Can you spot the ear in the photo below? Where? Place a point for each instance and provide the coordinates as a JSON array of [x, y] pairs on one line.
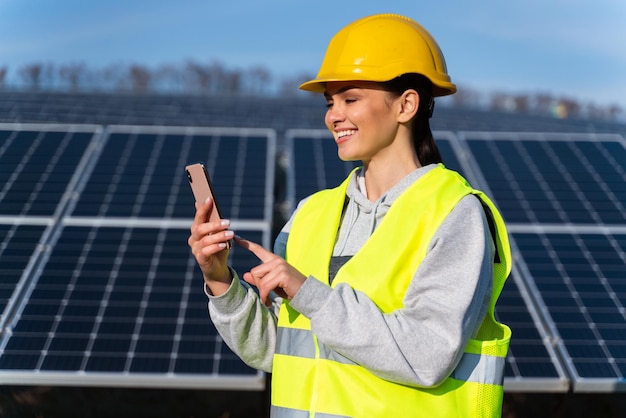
[[409, 103]]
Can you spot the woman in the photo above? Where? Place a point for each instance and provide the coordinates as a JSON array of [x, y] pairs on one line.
[[385, 286]]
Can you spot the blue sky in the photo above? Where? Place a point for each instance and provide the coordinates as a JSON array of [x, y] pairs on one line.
[[572, 48]]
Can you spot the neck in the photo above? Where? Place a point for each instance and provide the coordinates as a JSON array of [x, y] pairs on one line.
[[379, 177]]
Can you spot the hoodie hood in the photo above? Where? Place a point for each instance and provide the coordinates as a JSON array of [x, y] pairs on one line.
[[361, 216]]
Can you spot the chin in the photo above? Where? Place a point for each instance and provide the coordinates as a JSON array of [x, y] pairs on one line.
[[348, 157]]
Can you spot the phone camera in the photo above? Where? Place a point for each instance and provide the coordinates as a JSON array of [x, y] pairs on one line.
[[189, 176]]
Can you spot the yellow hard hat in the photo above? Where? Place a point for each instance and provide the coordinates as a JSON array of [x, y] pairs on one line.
[[380, 48]]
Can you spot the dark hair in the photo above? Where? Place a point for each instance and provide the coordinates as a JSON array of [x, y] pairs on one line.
[[423, 141]]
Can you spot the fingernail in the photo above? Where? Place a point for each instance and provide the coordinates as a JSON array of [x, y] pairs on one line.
[[225, 222], [208, 199], [221, 245], [229, 234]]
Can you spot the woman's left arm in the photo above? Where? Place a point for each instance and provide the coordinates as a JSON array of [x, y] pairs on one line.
[[420, 344]]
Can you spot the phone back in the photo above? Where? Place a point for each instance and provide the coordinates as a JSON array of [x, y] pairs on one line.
[[201, 187]]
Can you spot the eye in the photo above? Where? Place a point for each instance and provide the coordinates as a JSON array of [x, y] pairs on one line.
[[329, 104]]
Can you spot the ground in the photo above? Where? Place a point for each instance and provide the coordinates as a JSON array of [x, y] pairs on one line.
[[77, 402]]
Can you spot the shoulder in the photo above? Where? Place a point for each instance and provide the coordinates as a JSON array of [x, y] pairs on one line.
[[467, 217]]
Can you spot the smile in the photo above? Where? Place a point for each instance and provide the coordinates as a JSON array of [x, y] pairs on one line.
[[341, 134]]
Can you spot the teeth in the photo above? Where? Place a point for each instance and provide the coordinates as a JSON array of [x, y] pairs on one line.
[[344, 133]]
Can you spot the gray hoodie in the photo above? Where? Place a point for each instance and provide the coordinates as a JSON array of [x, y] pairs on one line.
[[418, 345]]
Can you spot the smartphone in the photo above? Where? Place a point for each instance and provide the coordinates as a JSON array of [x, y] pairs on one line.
[[202, 189]]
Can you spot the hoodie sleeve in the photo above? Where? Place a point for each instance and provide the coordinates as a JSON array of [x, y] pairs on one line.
[[245, 324], [420, 344]]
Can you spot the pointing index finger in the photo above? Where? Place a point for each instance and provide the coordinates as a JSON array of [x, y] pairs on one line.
[[261, 253]]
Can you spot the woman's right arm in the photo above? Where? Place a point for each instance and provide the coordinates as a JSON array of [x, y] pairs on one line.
[[243, 321], [246, 325]]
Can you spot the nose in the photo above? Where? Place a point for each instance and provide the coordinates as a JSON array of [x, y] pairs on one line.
[[333, 115]]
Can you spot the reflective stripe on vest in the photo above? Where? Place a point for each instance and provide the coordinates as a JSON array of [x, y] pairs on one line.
[[278, 412], [472, 367], [310, 378]]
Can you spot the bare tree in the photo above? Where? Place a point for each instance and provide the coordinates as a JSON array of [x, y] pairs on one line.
[[521, 103], [170, 78], [31, 75], [465, 97], [3, 75], [113, 77], [140, 78], [614, 112], [73, 75], [257, 80], [232, 82], [288, 86], [219, 75], [49, 77], [499, 102], [200, 78]]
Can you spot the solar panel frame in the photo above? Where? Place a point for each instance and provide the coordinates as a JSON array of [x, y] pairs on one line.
[[64, 222]]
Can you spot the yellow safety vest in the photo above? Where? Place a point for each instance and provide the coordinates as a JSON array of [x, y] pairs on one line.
[[311, 380]]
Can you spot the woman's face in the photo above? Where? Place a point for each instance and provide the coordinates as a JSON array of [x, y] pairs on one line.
[[362, 118]]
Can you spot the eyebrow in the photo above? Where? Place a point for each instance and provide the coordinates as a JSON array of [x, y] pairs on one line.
[[339, 91]]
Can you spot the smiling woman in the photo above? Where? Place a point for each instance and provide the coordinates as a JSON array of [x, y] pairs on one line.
[[379, 297]]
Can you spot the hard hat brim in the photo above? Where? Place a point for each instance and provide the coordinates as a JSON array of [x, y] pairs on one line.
[[318, 85]]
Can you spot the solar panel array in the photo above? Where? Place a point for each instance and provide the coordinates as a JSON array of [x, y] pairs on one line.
[[98, 284], [98, 287], [279, 113]]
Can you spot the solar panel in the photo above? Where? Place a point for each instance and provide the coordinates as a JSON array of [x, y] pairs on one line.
[[564, 197], [554, 178], [581, 278], [122, 306], [115, 297], [37, 163], [532, 364], [139, 171]]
